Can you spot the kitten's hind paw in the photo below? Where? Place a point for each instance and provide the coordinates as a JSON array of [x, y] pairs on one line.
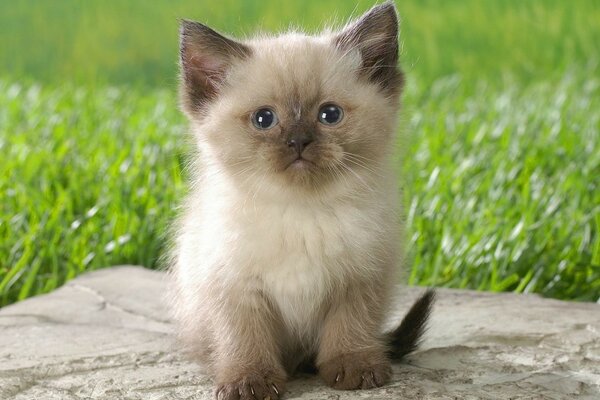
[[250, 388], [361, 370]]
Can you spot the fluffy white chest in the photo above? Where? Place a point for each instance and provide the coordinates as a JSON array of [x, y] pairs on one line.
[[297, 255], [302, 254]]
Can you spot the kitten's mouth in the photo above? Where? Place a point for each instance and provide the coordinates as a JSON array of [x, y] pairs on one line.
[[300, 163]]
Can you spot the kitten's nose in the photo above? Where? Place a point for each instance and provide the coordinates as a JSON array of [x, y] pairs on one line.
[[299, 142]]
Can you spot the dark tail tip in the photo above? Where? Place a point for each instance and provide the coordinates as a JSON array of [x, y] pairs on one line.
[[406, 338]]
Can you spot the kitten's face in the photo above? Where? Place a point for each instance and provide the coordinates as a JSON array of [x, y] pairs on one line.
[[297, 110]]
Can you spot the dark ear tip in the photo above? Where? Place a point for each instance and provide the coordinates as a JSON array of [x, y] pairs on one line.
[[185, 26], [387, 7], [186, 23], [385, 13], [385, 10], [188, 27]]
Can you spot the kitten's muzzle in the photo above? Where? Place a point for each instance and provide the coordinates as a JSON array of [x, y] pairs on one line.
[[299, 141]]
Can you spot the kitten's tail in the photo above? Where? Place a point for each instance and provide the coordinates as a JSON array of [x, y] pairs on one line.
[[406, 338]]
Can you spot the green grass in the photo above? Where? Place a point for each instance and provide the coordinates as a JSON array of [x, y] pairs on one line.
[[501, 143], [89, 178], [135, 41], [503, 189]]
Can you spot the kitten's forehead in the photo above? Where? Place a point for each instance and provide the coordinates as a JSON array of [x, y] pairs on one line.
[[292, 56], [289, 44], [297, 69], [303, 54]]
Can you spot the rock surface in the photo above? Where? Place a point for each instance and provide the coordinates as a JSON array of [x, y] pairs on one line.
[[106, 335]]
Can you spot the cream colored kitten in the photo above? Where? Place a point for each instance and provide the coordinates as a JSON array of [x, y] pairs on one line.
[[289, 245]]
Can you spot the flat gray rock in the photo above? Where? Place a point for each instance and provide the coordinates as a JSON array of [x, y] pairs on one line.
[[106, 335]]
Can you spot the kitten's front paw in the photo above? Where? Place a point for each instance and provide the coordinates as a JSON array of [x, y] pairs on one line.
[[251, 388], [362, 370]]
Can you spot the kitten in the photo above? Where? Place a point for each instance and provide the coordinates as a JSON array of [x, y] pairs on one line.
[[287, 251]]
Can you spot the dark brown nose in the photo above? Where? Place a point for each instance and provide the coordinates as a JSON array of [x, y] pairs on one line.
[[299, 142]]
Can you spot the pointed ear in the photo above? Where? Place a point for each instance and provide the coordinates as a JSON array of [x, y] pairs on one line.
[[205, 57], [375, 36]]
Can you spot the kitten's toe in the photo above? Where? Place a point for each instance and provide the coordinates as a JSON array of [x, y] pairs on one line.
[[250, 388], [376, 377], [364, 370], [227, 392]]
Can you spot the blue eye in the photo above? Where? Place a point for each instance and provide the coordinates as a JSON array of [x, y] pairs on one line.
[[330, 114], [264, 118]]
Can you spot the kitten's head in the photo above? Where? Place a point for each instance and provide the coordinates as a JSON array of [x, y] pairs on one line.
[[293, 110]]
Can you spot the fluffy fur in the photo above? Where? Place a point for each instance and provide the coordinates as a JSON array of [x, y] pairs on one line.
[[278, 262]]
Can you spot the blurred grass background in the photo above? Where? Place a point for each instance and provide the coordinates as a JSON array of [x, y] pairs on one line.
[[500, 146], [135, 41]]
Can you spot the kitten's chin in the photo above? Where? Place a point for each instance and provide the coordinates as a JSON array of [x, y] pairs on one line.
[[300, 164], [302, 172]]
